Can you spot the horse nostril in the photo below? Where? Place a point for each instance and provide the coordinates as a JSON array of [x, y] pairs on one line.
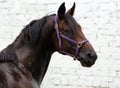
[[89, 55], [92, 56]]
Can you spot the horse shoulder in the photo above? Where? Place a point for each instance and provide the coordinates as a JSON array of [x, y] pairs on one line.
[[3, 79], [3, 83], [12, 77]]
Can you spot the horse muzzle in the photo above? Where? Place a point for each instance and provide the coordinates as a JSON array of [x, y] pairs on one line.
[[88, 59]]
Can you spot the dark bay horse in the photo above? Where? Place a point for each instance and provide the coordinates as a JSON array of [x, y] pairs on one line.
[[23, 63]]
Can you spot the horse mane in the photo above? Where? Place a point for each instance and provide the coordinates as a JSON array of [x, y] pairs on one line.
[[31, 33], [8, 55], [30, 36]]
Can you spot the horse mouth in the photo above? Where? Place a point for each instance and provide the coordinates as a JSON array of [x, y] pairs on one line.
[[87, 62]]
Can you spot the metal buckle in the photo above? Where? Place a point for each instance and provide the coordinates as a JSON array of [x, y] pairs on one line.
[[74, 58], [56, 26], [79, 45]]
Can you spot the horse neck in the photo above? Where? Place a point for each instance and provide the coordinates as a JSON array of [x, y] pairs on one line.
[[40, 65], [35, 60], [37, 63], [41, 61]]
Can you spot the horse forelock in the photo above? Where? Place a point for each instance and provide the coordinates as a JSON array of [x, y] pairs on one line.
[[70, 20]]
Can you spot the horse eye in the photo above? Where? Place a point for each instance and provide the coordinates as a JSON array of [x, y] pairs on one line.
[[67, 32]]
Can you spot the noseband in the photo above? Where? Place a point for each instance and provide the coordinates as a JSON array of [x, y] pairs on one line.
[[60, 35]]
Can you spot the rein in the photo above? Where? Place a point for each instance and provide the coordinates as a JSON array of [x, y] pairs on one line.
[[60, 35]]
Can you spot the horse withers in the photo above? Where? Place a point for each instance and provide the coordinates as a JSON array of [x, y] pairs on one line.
[[24, 63]]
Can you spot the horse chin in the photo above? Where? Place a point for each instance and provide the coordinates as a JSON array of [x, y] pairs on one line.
[[85, 63]]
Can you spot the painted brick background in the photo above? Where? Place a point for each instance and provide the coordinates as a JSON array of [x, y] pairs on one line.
[[100, 21]]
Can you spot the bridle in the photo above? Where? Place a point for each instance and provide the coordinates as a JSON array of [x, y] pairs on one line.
[[60, 35]]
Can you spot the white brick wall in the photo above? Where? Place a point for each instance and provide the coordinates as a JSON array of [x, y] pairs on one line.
[[100, 20]]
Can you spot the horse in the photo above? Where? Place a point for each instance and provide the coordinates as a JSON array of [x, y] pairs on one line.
[[24, 62]]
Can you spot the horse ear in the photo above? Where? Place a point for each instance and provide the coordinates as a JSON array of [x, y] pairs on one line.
[[61, 11], [71, 11]]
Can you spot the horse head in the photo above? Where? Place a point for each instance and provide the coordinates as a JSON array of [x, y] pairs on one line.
[[69, 38]]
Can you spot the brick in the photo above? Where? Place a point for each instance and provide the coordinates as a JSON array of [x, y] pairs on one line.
[[115, 83], [64, 81], [102, 1], [108, 6], [56, 82]]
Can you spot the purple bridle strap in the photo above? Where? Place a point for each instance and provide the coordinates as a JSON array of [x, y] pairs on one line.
[[58, 33], [59, 36]]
